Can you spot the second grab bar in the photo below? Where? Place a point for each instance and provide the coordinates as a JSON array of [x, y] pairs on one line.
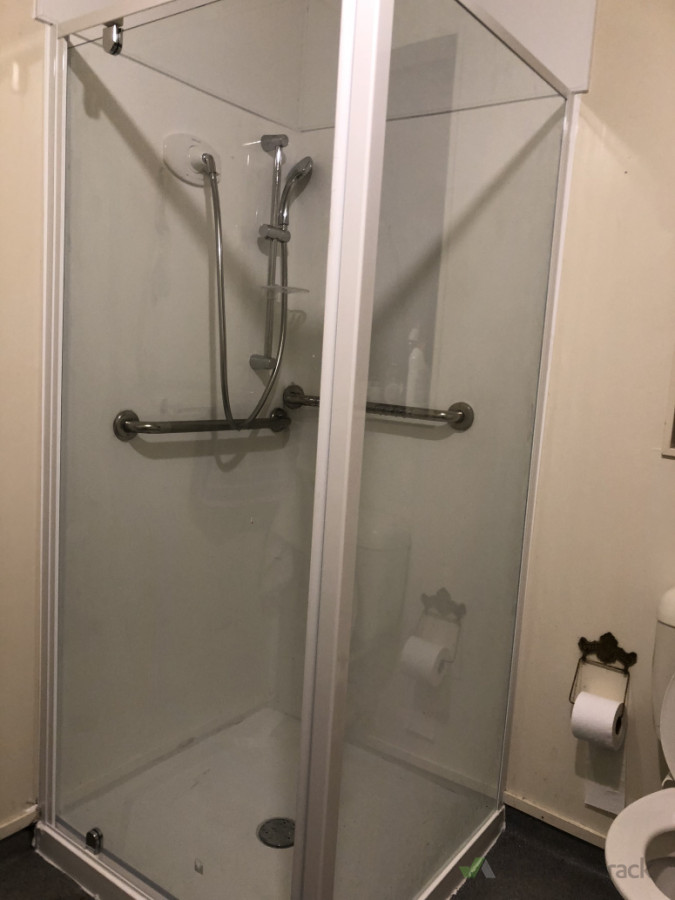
[[459, 416]]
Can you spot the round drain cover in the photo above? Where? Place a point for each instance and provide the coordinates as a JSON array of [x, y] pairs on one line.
[[277, 833]]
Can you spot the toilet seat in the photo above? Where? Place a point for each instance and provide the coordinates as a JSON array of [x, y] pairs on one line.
[[628, 838]]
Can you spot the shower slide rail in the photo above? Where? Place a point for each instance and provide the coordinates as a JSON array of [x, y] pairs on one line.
[[127, 425], [459, 416]]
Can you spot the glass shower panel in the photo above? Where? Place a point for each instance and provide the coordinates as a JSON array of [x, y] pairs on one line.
[[471, 163], [184, 559]]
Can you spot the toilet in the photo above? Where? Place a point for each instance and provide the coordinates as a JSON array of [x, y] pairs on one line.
[[640, 847]]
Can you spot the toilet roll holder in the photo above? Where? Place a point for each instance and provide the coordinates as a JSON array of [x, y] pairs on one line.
[[442, 605], [608, 656]]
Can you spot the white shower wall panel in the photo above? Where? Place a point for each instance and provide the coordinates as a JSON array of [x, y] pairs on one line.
[[249, 52], [442, 59], [319, 63], [290, 532], [487, 70], [174, 584], [558, 34]]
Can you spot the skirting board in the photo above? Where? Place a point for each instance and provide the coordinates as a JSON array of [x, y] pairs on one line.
[[17, 823], [545, 815]]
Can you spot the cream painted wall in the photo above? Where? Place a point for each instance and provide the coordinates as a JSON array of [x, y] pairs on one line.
[[603, 547], [21, 63]]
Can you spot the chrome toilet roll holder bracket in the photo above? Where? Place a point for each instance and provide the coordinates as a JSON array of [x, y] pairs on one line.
[[608, 655]]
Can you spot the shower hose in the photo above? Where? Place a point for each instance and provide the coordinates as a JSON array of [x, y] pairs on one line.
[[210, 170]]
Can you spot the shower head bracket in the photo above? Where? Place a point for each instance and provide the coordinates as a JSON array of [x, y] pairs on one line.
[[270, 142]]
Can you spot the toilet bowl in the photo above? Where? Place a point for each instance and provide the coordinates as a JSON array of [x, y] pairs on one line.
[[640, 847]]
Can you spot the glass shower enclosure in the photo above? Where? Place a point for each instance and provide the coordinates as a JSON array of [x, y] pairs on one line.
[[300, 297]]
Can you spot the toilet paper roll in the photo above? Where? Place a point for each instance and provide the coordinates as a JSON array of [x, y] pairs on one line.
[[425, 660], [599, 720], [439, 631]]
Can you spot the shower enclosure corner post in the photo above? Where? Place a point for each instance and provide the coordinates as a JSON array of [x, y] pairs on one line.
[[53, 186], [572, 112], [365, 47]]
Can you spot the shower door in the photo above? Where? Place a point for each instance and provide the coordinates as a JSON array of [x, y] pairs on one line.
[[314, 624], [184, 558], [413, 669]]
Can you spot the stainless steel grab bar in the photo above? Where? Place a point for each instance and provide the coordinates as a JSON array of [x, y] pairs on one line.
[[459, 416], [127, 425]]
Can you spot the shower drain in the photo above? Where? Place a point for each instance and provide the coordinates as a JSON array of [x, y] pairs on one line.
[[277, 833]]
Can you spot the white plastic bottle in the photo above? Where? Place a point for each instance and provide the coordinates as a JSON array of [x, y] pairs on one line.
[[417, 384], [393, 384]]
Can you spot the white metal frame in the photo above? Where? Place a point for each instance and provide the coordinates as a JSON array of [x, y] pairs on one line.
[[54, 171], [58, 847], [363, 77], [365, 45], [555, 272]]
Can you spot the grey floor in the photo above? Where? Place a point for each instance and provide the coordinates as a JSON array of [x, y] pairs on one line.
[[531, 861], [26, 876]]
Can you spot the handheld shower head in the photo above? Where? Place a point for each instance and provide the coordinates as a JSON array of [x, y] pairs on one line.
[[300, 173]]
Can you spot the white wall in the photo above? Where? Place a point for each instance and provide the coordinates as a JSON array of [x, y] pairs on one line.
[[21, 64], [603, 548]]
